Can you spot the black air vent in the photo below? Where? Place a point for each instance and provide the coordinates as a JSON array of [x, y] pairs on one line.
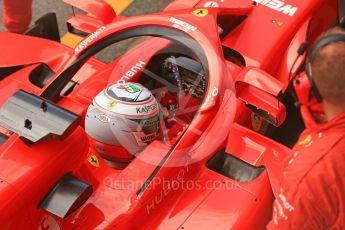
[[69, 194], [41, 75], [228, 23], [233, 56], [7, 71], [233, 167]]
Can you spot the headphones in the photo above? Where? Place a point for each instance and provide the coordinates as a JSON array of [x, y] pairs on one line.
[[304, 84]]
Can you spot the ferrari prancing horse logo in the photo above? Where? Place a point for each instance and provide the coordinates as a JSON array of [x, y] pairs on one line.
[[93, 160], [111, 105], [200, 12], [257, 122]]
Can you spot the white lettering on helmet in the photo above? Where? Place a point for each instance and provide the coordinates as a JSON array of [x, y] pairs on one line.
[[182, 25], [132, 72], [82, 45], [146, 109], [279, 5]]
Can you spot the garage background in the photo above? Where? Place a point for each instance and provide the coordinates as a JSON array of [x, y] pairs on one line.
[[64, 11]]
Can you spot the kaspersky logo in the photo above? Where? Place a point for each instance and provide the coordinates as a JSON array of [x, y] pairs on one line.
[[279, 6], [82, 45], [146, 109]]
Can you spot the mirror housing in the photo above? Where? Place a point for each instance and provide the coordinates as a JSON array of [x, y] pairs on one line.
[[261, 93], [82, 25]]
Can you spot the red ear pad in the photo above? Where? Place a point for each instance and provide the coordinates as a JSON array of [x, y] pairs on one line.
[[303, 91]]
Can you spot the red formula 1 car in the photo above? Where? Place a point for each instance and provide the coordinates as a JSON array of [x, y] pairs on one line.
[[215, 161]]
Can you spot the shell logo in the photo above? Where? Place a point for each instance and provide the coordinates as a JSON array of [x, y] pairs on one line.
[[306, 140]]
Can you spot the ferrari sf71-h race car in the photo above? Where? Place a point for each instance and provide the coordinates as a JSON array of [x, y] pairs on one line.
[[187, 129]]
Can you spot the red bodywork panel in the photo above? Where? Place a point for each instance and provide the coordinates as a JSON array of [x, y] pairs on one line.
[[265, 37]]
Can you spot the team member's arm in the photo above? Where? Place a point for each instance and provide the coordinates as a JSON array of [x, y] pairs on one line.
[[17, 15]]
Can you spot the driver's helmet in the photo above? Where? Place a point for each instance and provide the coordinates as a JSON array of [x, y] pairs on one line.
[[122, 117]]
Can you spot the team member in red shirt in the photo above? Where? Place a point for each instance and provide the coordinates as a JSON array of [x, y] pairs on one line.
[[312, 194], [17, 15]]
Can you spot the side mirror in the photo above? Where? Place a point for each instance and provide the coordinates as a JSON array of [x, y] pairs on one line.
[[261, 93], [82, 25]]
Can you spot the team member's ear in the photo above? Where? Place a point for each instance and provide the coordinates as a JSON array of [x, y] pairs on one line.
[[303, 90], [305, 87]]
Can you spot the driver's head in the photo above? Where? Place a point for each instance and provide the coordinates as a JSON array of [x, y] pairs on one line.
[[123, 117], [328, 67]]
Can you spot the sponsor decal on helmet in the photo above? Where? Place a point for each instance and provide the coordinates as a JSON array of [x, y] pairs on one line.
[[179, 24], [148, 138], [279, 6], [82, 45], [146, 108], [103, 118], [149, 125], [150, 122], [132, 72], [200, 12], [130, 88], [111, 105]]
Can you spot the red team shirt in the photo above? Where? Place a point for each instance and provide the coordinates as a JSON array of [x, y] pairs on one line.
[[312, 193]]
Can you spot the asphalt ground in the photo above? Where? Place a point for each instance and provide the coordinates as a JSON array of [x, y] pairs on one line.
[[64, 11]]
